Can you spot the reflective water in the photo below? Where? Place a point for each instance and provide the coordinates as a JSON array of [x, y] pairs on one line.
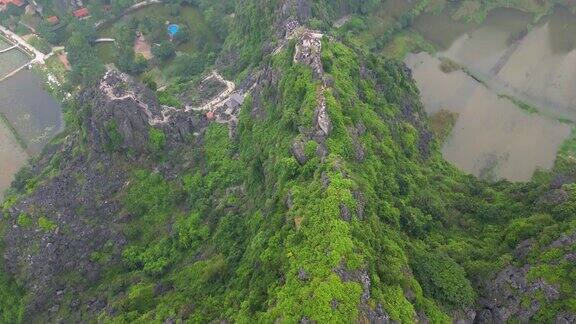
[[35, 115], [12, 157], [29, 118], [492, 137], [11, 60]]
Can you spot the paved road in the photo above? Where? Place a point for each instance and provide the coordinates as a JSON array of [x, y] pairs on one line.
[[134, 7], [39, 57]]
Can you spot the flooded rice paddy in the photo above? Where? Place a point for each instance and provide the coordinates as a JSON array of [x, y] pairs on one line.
[[29, 116], [535, 64], [10, 59], [12, 156]]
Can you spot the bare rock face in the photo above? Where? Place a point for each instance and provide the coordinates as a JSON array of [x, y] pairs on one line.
[[361, 276], [298, 152], [345, 213], [124, 108], [267, 79], [308, 52], [564, 241], [78, 203], [325, 180], [523, 249], [294, 13], [379, 315], [360, 203], [464, 316], [120, 106], [303, 275], [504, 296], [554, 197], [412, 113], [356, 133], [565, 318], [45, 259], [560, 180], [323, 123]]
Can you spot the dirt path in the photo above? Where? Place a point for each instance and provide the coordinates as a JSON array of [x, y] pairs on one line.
[[8, 49], [220, 99], [166, 112], [38, 57]]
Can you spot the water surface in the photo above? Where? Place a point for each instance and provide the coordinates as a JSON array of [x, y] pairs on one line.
[[534, 63], [11, 60], [493, 138], [4, 44], [29, 117], [35, 115]]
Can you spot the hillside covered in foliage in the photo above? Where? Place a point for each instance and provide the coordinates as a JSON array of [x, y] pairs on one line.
[[325, 199]]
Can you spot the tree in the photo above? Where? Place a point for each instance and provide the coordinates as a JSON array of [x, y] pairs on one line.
[[164, 51], [86, 66], [125, 57], [186, 66], [183, 35]]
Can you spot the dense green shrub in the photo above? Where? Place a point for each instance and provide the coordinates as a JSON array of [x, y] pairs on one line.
[[443, 279]]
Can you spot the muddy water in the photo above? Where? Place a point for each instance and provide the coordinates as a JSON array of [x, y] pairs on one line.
[[3, 44], [482, 49], [12, 157], [543, 69], [492, 137], [30, 118], [35, 115], [11, 60], [536, 64]]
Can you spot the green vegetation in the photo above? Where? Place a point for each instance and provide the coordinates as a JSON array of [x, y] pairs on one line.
[[448, 66], [197, 43], [40, 44], [114, 139], [444, 279], [45, 224], [157, 140], [6, 123], [520, 104], [11, 302], [24, 220], [229, 248], [235, 228], [442, 123], [406, 42], [86, 66]]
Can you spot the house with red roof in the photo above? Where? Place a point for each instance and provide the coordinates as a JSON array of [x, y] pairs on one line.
[[81, 13], [53, 20], [17, 3]]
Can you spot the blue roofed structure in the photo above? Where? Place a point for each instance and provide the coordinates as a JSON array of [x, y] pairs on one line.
[[173, 30]]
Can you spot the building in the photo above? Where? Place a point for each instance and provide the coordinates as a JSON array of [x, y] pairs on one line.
[[173, 30], [17, 3], [81, 13], [235, 101], [53, 20]]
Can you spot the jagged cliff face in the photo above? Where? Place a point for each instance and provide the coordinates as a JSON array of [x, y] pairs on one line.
[[55, 262], [78, 200], [322, 198]]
